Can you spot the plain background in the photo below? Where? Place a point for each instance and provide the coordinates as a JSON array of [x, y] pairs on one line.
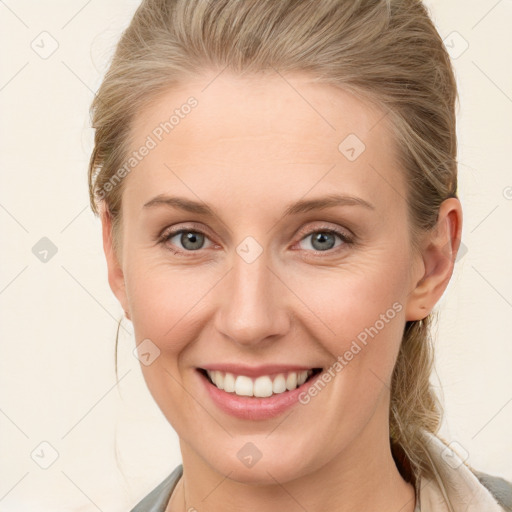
[[111, 444]]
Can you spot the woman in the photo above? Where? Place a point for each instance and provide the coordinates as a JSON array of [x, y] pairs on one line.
[[234, 139]]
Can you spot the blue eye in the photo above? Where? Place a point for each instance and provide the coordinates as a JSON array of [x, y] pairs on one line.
[[193, 240], [325, 240]]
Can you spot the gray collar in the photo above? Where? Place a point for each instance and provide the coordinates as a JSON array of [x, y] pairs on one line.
[[158, 498]]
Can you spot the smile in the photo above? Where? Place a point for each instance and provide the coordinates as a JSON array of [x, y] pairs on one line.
[[262, 386], [255, 392]]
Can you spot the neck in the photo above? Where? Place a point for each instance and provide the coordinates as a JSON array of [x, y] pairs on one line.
[[363, 476]]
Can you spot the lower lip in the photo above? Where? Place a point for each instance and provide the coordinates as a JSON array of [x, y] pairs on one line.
[[253, 408]]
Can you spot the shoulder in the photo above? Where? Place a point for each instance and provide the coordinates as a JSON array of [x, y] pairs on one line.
[[157, 499], [500, 488]]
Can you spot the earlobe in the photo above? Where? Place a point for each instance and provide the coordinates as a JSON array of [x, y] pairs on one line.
[[115, 271], [439, 252]]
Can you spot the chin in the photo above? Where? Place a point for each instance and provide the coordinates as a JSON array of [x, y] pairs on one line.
[[273, 465]]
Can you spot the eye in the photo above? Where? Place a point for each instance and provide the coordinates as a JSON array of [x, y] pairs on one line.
[[324, 239], [190, 240]]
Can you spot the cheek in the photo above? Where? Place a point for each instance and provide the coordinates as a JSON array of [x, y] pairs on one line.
[[166, 304], [359, 321], [348, 299], [358, 317], [164, 299]]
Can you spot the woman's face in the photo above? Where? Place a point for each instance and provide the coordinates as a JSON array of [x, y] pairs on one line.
[[264, 277]]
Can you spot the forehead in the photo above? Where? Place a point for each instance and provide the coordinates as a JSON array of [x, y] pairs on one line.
[[278, 135]]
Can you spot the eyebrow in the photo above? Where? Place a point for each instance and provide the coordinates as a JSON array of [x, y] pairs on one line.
[[301, 206]]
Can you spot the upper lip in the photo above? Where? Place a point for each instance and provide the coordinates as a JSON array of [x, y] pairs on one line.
[[256, 371]]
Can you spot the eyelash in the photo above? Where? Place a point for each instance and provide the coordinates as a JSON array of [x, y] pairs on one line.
[[345, 238]]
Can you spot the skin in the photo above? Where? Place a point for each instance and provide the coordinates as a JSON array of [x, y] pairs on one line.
[[248, 149]]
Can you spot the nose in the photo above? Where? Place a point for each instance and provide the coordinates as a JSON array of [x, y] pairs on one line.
[[253, 305]]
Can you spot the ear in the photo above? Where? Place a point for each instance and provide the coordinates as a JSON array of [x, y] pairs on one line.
[[115, 271], [438, 253]]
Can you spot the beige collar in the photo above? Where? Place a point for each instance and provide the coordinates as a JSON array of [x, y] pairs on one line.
[[462, 489]]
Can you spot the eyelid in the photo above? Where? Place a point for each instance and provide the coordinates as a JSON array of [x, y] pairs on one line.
[[344, 233], [187, 226]]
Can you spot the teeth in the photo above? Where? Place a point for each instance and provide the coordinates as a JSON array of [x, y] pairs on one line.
[[260, 387], [243, 386], [229, 381], [219, 379], [279, 384], [302, 377], [291, 381]]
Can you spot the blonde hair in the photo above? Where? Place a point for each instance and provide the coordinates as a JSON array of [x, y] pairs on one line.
[[387, 52]]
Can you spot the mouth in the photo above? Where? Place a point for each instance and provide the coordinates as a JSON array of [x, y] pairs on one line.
[[263, 386]]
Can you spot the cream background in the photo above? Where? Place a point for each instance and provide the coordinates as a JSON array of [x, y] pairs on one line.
[[58, 319]]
